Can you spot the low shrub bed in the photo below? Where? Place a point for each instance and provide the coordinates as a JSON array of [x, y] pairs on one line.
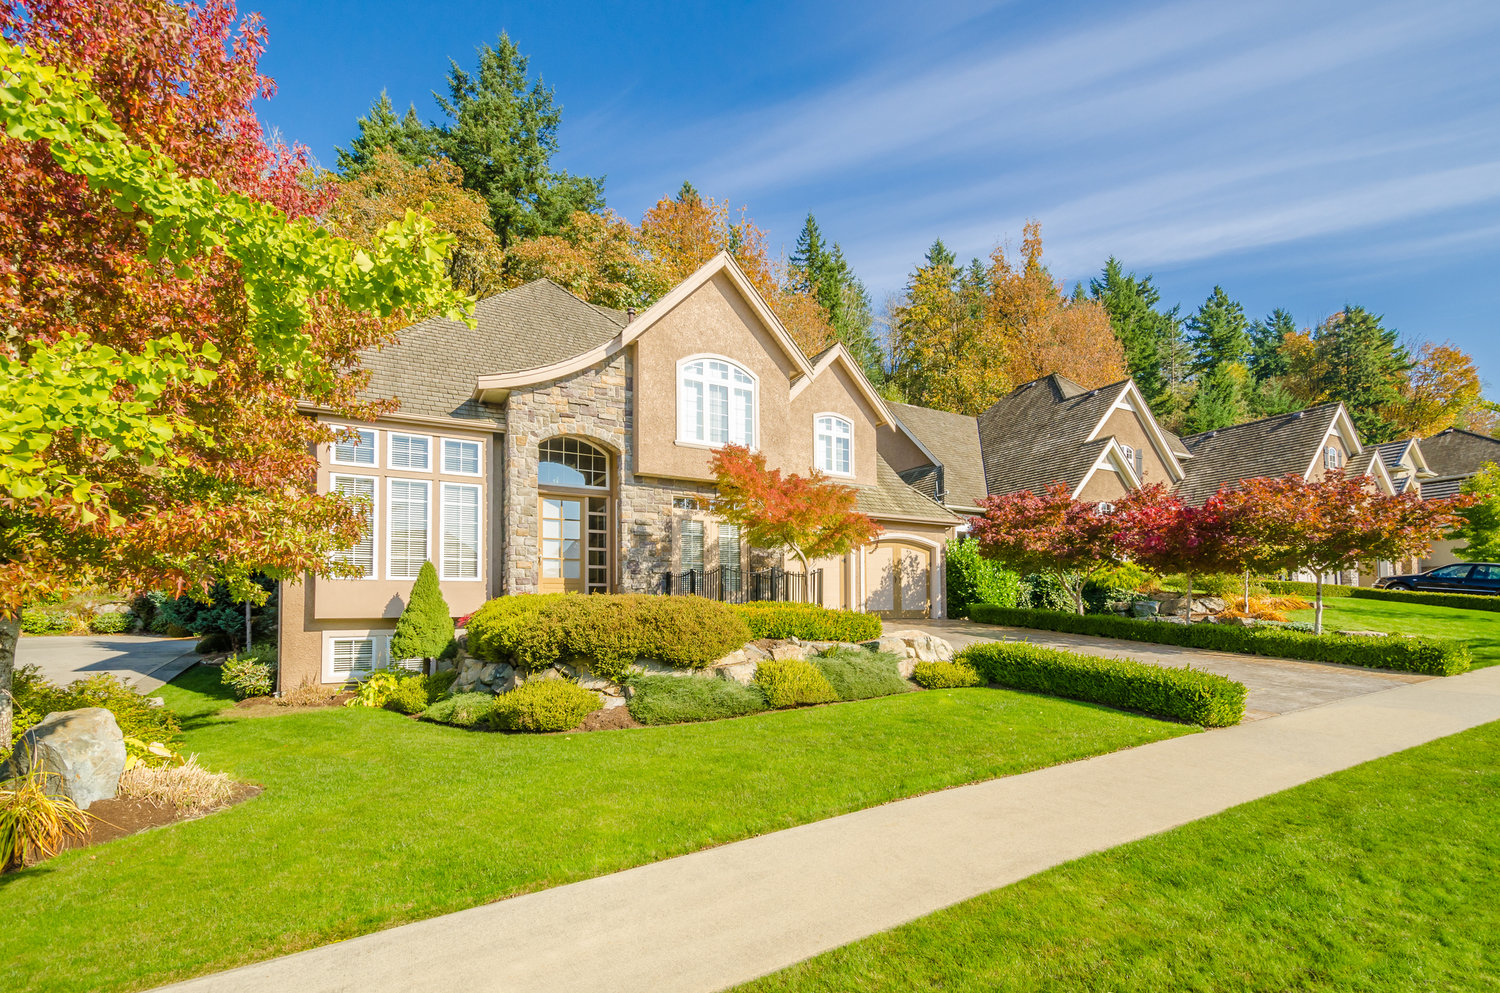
[[606, 632], [461, 710], [944, 675], [682, 700], [860, 675], [251, 673], [543, 705], [808, 622], [402, 691], [792, 682], [35, 698], [1187, 695], [1463, 601], [1428, 656]]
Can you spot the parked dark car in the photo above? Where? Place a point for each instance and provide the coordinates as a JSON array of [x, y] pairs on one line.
[[1460, 577]]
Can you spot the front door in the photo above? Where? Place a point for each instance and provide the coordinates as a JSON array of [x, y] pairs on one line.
[[562, 544]]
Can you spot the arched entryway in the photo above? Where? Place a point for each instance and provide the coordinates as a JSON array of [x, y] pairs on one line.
[[899, 577], [573, 509]]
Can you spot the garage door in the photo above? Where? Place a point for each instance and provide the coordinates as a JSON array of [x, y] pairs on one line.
[[900, 580]]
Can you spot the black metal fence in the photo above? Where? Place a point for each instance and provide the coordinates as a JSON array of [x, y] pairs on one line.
[[740, 586]]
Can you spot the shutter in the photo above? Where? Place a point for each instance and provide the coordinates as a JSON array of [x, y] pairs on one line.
[[362, 553], [352, 656], [692, 546]]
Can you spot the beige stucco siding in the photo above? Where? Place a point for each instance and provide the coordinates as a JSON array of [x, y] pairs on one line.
[[303, 637], [1126, 425], [835, 392], [1104, 484], [899, 450]]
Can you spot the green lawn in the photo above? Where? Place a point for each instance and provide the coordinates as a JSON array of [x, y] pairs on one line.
[[370, 819], [1480, 629], [1381, 878]]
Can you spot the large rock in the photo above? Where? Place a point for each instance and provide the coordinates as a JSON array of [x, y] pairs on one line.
[[912, 647], [83, 749], [479, 676], [784, 650], [1145, 608]]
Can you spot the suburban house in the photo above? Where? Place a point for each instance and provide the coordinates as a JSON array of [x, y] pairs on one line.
[[562, 446], [1406, 464], [1450, 458]]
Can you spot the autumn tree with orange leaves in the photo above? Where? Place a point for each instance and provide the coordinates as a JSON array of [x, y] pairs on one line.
[[810, 516]]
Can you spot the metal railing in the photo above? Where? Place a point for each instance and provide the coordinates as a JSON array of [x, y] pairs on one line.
[[741, 586]]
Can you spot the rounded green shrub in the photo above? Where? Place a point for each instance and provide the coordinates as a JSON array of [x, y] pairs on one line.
[[543, 705], [860, 675], [606, 633], [425, 628], [678, 699], [971, 578], [461, 710], [111, 623], [409, 696], [251, 673], [792, 682], [944, 675], [808, 622]]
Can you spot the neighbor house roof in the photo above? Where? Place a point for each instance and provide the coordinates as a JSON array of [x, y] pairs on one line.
[[1442, 487], [1273, 446], [891, 497], [1038, 434], [431, 367], [953, 439], [1456, 452]]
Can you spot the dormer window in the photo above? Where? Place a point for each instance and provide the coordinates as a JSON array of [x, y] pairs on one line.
[[834, 445], [716, 403], [1332, 458]]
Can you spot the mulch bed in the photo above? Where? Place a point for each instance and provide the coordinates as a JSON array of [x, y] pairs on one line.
[[263, 706], [613, 719], [117, 818]]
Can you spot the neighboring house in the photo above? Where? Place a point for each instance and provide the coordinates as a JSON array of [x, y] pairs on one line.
[[1452, 456], [1099, 443], [562, 446], [1406, 464]]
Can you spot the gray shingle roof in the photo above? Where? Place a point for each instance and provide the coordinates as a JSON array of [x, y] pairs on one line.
[[432, 366], [1175, 444], [1270, 447], [1037, 434], [953, 439], [891, 497], [1443, 486], [1392, 452], [1456, 452]]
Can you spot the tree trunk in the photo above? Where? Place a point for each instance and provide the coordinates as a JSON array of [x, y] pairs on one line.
[[10, 633], [1318, 610], [247, 625], [1247, 591], [1187, 607]]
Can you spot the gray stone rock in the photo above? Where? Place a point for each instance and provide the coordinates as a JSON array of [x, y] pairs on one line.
[[1208, 605], [755, 653], [1145, 608], [611, 702], [83, 749], [784, 650], [1363, 634], [651, 667], [741, 672]]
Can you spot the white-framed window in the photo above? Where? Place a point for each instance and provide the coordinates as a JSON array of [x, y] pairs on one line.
[[1332, 458], [410, 451], [407, 528], [353, 655], [833, 445], [460, 542], [729, 558], [716, 402], [361, 449], [461, 458], [361, 554]]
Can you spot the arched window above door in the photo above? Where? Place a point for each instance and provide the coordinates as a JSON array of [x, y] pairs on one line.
[[572, 462]]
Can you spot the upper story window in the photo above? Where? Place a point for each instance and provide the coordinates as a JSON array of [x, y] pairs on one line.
[[1332, 458], [411, 451], [834, 445], [460, 458], [571, 462], [716, 403], [359, 449], [361, 555]]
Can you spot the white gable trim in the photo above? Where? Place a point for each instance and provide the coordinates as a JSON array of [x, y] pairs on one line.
[[838, 353], [720, 263], [1378, 469], [1111, 454], [1133, 400], [1344, 426]]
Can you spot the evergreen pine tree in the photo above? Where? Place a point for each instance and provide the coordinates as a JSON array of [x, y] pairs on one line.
[[1266, 339], [1218, 333], [1218, 402], [1144, 332], [825, 274], [425, 629], [938, 255], [502, 132], [810, 260], [412, 141], [1362, 363]]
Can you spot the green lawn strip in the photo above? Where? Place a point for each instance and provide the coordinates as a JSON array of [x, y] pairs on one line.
[[1478, 629], [1380, 878], [196, 695], [369, 819]]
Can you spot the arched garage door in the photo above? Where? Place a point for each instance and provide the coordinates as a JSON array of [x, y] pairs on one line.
[[899, 579]]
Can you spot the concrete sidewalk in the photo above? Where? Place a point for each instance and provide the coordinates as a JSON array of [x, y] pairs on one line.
[[709, 920]]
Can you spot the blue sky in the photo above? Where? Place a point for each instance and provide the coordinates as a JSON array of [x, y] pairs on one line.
[[1302, 154]]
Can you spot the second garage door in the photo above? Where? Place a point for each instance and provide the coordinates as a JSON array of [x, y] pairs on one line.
[[899, 577]]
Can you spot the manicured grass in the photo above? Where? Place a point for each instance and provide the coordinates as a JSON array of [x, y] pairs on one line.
[[370, 819], [1380, 878], [1479, 629]]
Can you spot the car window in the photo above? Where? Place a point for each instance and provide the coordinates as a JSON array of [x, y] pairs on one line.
[[1486, 574], [1451, 572]]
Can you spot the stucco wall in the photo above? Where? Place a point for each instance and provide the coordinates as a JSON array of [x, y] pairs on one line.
[[832, 392], [1103, 485], [1127, 427]]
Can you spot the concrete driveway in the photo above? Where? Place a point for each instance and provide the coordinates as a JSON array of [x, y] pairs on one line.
[[1276, 686], [147, 661]]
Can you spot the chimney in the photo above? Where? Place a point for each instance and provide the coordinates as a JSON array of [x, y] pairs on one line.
[[629, 314]]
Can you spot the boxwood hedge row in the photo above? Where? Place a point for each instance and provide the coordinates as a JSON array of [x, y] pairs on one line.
[[1188, 695], [808, 621], [1429, 656]]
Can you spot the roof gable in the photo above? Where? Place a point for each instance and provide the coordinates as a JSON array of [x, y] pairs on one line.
[[1042, 432], [1286, 444]]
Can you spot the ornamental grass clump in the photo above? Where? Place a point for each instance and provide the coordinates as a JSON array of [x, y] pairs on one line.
[[860, 675], [36, 819], [680, 700], [944, 675], [543, 705], [187, 788], [792, 683]]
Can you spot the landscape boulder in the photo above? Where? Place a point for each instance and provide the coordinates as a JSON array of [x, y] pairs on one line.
[[912, 647], [84, 749]]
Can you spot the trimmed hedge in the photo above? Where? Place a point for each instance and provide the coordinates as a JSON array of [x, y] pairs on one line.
[[860, 675], [1462, 601], [680, 700], [944, 675], [792, 682], [606, 632], [543, 705], [808, 622], [1177, 694], [1429, 656]]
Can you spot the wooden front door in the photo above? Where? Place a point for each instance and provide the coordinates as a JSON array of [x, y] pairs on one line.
[[901, 580], [562, 544]]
